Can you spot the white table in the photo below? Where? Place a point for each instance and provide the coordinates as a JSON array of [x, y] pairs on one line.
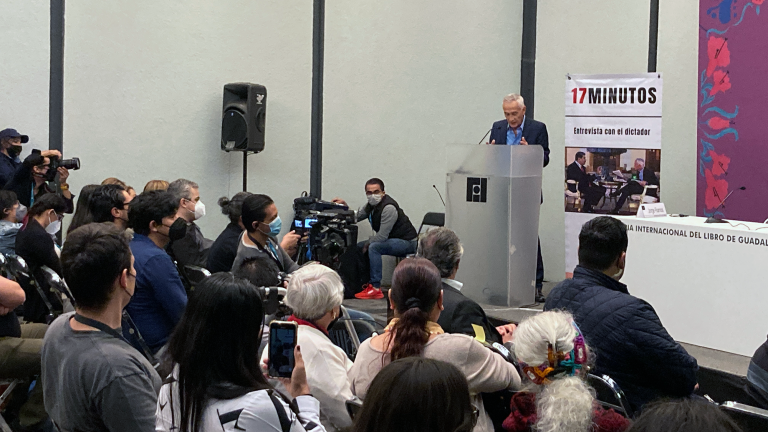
[[707, 282]]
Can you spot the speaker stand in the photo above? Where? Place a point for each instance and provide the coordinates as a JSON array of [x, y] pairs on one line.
[[245, 171]]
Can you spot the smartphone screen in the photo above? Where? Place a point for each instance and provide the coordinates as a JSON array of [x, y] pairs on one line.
[[282, 341]]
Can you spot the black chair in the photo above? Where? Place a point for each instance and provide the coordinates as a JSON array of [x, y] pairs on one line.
[[354, 406], [432, 219], [344, 333], [194, 275], [609, 394], [749, 418], [722, 386], [58, 284]]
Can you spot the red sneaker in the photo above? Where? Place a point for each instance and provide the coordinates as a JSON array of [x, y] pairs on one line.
[[370, 292]]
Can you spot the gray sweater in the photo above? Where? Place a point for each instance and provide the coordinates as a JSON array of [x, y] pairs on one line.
[[245, 251], [388, 219]]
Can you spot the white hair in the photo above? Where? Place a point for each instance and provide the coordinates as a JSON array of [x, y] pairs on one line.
[[514, 97], [565, 405], [534, 334], [641, 161], [313, 290]]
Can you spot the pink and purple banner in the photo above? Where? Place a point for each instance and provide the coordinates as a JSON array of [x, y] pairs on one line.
[[732, 121]]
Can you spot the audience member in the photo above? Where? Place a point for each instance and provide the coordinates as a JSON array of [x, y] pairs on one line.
[[417, 394], [92, 378], [460, 314], [217, 383], [35, 244], [683, 415], [160, 297], [757, 373], [262, 271], [262, 225], [554, 358], [109, 203], [10, 148], [193, 248], [631, 344], [29, 181], [10, 224], [315, 293], [20, 346], [82, 214], [153, 185], [417, 301], [113, 180], [224, 250]]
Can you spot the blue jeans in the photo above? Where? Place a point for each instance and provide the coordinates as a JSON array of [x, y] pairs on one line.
[[393, 247]]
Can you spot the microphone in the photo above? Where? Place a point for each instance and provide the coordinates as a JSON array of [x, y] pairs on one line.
[[438, 194], [713, 219], [483, 138]]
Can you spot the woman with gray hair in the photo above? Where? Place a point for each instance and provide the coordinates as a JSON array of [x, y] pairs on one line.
[[554, 358], [315, 293]]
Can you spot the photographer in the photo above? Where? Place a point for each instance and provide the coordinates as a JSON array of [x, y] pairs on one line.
[[395, 234], [29, 182]]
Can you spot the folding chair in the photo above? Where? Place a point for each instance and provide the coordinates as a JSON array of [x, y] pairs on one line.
[[354, 406], [609, 394], [195, 275], [749, 418], [432, 219]]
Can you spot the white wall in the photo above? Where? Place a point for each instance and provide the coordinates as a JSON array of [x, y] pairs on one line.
[[24, 73], [405, 78], [143, 93], [588, 36]]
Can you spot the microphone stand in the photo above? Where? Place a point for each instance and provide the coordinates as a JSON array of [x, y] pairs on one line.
[[713, 219]]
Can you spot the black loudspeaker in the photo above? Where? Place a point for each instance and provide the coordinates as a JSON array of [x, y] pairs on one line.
[[243, 117]]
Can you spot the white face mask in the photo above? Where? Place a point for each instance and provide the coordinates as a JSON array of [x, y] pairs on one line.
[[53, 227], [375, 199], [618, 275], [199, 210], [21, 212]]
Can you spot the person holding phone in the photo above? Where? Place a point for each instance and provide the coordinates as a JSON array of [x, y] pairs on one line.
[[217, 382]]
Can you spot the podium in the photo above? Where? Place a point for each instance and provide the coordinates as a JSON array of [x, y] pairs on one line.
[[493, 200]]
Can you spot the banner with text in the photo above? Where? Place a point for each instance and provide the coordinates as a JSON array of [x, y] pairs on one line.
[[612, 149]]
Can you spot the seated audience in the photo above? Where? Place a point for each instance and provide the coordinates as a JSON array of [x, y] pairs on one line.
[[82, 214], [262, 225], [152, 185], [92, 379], [10, 148], [591, 192], [31, 176], [417, 301], [193, 248], [315, 293], [262, 271], [417, 394], [10, 224], [224, 250], [109, 203], [683, 415], [554, 358], [35, 244], [20, 346], [160, 297], [757, 373], [113, 180], [631, 344], [217, 381], [460, 314]]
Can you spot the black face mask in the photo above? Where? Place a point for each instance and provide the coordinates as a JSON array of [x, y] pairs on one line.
[[14, 151], [177, 230]]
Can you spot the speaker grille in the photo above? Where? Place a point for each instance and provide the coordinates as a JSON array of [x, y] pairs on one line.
[[234, 131]]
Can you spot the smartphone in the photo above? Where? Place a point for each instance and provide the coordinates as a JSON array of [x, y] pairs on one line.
[[282, 341]]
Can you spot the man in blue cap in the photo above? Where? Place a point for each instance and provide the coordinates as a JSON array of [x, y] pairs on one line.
[[10, 148]]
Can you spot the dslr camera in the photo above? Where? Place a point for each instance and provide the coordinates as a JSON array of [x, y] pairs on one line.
[[330, 229], [70, 164]]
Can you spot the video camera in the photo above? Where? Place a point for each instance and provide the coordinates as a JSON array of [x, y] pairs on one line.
[[330, 229], [70, 164]]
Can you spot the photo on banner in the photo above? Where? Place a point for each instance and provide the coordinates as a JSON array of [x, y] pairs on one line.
[[612, 149]]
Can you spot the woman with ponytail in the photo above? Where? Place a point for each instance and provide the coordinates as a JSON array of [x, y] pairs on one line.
[[417, 299], [554, 358]]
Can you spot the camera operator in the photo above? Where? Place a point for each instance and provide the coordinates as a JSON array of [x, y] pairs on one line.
[[395, 234], [262, 225], [10, 147], [29, 182]]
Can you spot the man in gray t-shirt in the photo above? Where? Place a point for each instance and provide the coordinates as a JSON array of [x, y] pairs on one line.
[[93, 380]]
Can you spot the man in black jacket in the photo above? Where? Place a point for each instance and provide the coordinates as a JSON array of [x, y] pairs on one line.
[[631, 344], [460, 314], [592, 193], [641, 176], [395, 234]]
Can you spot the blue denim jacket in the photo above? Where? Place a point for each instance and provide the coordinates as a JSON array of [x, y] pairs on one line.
[[8, 231]]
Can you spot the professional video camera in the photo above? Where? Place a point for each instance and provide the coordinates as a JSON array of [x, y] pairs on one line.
[[330, 229], [70, 164]]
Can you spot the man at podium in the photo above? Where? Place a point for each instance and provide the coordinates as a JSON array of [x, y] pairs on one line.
[[516, 129]]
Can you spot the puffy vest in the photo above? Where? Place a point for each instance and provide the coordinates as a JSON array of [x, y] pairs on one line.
[[403, 228]]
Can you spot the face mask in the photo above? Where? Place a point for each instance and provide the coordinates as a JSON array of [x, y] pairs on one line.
[[199, 210], [21, 212], [53, 227], [14, 151], [375, 199], [275, 226], [177, 230], [618, 275]]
